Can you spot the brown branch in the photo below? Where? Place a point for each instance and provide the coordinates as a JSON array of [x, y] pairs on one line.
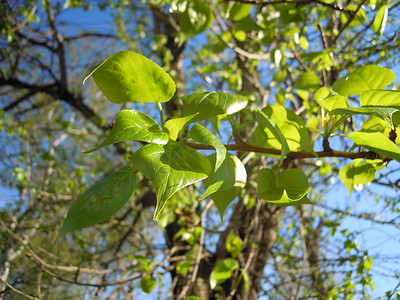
[[291, 155]]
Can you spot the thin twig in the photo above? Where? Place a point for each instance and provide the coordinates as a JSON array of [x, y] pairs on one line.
[[17, 291]]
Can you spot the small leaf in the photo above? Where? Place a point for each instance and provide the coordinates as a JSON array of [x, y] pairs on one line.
[[148, 283], [175, 126], [354, 174], [333, 102], [197, 18], [376, 142], [368, 77], [246, 278], [101, 201], [358, 19], [211, 104], [129, 76], [379, 24], [237, 11], [234, 245], [222, 271], [170, 168], [307, 81], [132, 125]]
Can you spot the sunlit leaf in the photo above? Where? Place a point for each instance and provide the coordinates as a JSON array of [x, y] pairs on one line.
[[132, 125], [129, 76], [234, 245], [101, 201], [210, 104], [365, 78], [358, 19], [333, 102], [291, 126], [384, 98], [174, 126], [237, 11], [222, 271], [357, 173], [376, 142], [197, 18], [170, 168], [307, 81], [379, 24]]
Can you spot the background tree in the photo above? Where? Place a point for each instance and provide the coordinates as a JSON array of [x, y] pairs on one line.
[[272, 52]]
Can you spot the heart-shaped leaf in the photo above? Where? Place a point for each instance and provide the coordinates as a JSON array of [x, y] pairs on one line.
[[129, 76], [101, 201], [132, 125], [368, 77], [211, 104], [170, 168]]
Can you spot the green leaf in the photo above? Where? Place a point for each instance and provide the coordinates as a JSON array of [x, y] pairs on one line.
[[211, 104], [148, 283], [234, 245], [368, 77], [197, 18], [183, 266], [222, 271], [295, 183], [170, 168], [132, 125], [384, 112], [246, 278], [380, 98], [229, 175], [269, 126], [291, 126], [359, 18], [376, 142], [101, 201], [129, 76], [357, 173], [288, 188], [307, 81], [333, 102], [270, 186], [237, 11], [175, 126], [379, 24], [231, 171]]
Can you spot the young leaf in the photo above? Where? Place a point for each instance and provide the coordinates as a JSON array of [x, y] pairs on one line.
[[237, 11], [234, 245], [101, 201], [295, 183], [356, 173], [291, 126], [210, 104], [222, 271], [307, 81], [368, 77], [379, 24], [148, 283], [270, 186], [197, 18], [175, 126], [333, 102], [226, 183], [170, 168], [129, 76], [268, 126], [132, 125], [376, 142]]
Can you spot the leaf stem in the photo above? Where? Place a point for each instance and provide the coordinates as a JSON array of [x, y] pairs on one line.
[[160, 109]]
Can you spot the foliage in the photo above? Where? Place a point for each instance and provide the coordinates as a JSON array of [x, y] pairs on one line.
[[274, 110]]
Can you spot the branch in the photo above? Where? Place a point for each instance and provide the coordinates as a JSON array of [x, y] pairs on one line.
[[291, 155]]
